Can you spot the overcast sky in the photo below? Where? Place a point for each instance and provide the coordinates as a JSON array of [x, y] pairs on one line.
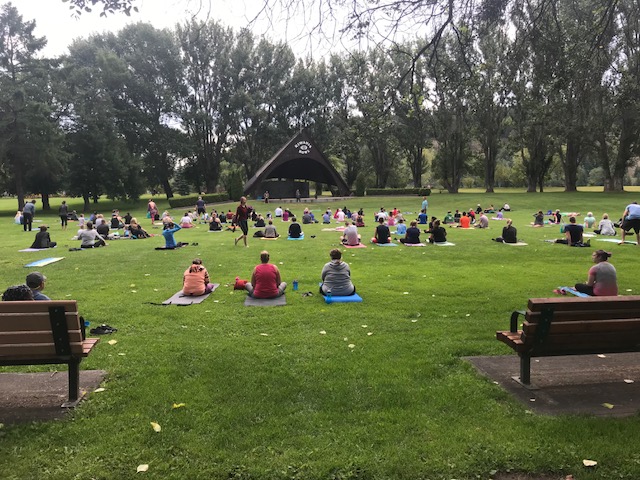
[[55, 21]]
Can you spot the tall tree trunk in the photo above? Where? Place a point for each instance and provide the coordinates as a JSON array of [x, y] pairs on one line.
[[490, 154], [168, 191], [570, 163], [86, 198]]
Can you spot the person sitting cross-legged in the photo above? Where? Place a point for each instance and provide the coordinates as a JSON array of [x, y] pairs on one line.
[[265, 280], [573, 235], [412, 235], [295, 230], [195, 280], [382, 234], [90, 238], [336, 276], [350, 235], [509, 233]]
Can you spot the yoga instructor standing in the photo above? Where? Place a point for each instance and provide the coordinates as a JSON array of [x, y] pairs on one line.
[[242, 219]]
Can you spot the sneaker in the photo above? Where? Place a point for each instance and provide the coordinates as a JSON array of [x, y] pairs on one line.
[[588, 243], [103, 330]]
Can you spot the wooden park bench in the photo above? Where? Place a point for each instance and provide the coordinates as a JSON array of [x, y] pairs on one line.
[[573, 326], [44, 333]]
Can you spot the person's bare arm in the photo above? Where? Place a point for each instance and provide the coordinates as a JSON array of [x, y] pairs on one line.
[[591, 280]]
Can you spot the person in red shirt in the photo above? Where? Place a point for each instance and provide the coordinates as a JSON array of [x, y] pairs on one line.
[[265, 279], [465, 221], [242, 220], [195, 280]]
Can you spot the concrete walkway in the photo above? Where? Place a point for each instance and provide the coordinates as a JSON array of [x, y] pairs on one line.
[[601, 385]]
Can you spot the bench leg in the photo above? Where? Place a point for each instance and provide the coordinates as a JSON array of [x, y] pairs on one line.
[[74, 383], [525, 369]]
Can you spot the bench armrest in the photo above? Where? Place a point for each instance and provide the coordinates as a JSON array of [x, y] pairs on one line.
[[513, 326]]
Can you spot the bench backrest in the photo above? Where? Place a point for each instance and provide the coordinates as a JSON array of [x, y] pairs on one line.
[[40, 330], [574, 325]]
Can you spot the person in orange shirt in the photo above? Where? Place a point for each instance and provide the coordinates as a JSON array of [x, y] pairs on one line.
[[465, 220], [196, 279]]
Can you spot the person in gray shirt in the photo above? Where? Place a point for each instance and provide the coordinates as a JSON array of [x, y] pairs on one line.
[[336, 276]]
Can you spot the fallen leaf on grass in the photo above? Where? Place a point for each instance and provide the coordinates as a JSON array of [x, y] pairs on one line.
[[363, 326], [589, 463], [155, 289], [122, 354], [608, 405], [351, 345], [156, 427], [132, 285], [98, 390], [405, 293], [414, 320], [112, 342], [68, 295], [142, 468], [468, 315], [147, 274], [264, 334], [178, 405], [322, 332], [134, 291]]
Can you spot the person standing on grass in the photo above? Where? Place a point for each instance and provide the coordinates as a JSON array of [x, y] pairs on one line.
[[602, 279], [298, 195], [28, 212], [201, 207], [153, 210], [195, 280], [242, 220], [630, 221], [63, 211], [265, 280], [425, 205]]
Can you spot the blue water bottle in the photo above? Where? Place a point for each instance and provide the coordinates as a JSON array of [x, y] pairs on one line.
[[329, 297], [295, 285]]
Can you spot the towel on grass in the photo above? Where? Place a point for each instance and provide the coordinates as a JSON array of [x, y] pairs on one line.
[[182, 299], [35, 249], [265, 302], [44, 261]]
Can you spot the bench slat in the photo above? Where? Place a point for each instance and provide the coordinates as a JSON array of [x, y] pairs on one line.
[[33, 321], [585, 303], [35, 337], [621, 326], [37, 307], [35, 350], [585, 315]]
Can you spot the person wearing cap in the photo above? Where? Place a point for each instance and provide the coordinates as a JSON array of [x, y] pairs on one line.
[[35, 281], [43, 239]]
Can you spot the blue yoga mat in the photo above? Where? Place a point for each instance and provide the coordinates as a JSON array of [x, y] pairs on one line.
[[573, 291], [44, 261], [355, 298], [386, 244], [301, 237]]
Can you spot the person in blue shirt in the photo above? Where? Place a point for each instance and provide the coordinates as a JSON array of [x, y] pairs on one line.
[[169, 239], [425, 204], [401, 228], [35, 281], [631, 221], [422, 217]]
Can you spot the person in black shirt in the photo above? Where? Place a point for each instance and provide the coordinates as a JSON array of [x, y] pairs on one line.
[[509, 234], [382, 235], [438, 233], [295, 230], [43, 239], [413, 234], [573, 235]]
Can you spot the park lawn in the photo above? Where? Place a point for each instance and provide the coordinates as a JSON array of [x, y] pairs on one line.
[[309, 390]]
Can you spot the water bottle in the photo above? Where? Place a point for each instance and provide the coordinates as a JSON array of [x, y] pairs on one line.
[[329, 298], [295, 285]]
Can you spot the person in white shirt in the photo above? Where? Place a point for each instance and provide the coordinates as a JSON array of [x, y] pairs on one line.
[[340, 216], [278, 211], [186, 221]]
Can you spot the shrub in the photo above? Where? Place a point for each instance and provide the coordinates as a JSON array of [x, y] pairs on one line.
[[399, 191], [190, 201]]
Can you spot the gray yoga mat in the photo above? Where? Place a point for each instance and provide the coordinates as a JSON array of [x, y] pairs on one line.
[[265, 302], [181, 299]]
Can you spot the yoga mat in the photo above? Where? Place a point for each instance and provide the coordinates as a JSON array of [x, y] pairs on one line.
[[589, 235], [519, 244], [445, 244], [265, 238], [301, 237], [386, 244], [355, 298], [414, 244], [265, 302], [35, 249], [571, 291], [329, 230], [360, 245], [613, 240], [44, 261], [181, 299]]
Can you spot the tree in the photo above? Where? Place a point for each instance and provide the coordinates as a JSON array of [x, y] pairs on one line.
[[28, 131], [108, 6]]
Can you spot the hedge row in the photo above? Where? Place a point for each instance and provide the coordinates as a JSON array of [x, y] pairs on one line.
[[190, 201], [399, 191]]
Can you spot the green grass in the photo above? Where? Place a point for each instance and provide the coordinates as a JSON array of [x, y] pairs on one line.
[[268, 396]]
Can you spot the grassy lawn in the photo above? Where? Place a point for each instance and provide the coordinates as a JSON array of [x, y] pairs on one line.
[[269, 396]]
